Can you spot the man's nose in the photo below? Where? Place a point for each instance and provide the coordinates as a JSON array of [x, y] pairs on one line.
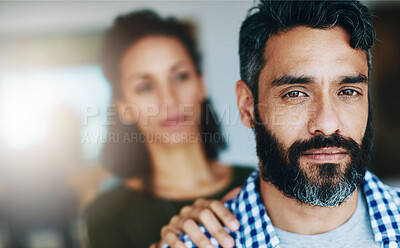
[[325, 118]]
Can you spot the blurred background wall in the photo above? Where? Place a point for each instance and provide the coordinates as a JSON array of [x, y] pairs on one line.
[[60, 41], [386, 85], [54, 103]]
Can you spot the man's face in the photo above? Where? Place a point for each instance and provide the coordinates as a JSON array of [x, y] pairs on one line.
[[313, 111]]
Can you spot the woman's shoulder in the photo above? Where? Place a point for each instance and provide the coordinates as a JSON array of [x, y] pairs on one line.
[[114, 218], [112, 202]]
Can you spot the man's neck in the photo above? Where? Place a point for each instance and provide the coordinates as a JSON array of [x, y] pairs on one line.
[[291, 216]]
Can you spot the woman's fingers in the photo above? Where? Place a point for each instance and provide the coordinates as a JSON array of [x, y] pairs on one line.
[[221, 212], [188, 225], [209, 213], [225, 215], [171, 238], [213, 226], [170, 233], [191, 228]]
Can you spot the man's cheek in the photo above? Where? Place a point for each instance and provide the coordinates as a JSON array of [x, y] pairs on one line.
[[289, 115], [355, 127]]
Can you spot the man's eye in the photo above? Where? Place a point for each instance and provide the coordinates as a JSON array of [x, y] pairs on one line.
[[349, 92], [293, 94]]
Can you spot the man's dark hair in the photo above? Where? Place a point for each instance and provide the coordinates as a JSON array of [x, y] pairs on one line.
[[272, 17], [129, 157]]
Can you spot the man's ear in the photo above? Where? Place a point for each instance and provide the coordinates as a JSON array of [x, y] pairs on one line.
[[245, 103]]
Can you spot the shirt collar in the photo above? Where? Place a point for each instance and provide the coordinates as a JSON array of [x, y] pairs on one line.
[[383, 206]]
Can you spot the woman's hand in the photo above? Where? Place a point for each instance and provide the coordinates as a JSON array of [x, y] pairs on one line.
[[207, 213]]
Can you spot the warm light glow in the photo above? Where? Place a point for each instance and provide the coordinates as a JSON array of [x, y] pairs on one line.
[[28, 101], [25, 106]]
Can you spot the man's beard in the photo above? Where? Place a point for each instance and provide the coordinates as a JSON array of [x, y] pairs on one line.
[[325, 185]]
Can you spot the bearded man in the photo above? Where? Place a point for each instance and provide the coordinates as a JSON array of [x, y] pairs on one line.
[[304, 90]]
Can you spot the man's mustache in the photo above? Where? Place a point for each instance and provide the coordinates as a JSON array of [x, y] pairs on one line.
[[321, 141]]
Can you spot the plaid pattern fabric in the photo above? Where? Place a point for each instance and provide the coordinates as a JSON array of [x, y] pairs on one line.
[[256, 229]]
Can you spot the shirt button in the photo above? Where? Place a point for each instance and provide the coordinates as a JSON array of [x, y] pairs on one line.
[[393, 244]]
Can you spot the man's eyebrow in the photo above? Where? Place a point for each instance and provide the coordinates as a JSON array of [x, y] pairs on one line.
[[360, 78], [288, 79]]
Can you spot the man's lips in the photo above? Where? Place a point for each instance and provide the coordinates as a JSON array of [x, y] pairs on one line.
[[328, 154]]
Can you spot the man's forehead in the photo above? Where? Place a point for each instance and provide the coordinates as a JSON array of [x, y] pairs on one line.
[[313, 53], [308, 39]]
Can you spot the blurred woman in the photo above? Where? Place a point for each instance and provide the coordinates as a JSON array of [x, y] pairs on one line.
[[166, 138]]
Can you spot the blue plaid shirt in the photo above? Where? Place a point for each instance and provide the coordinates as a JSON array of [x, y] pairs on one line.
[[256, 229]]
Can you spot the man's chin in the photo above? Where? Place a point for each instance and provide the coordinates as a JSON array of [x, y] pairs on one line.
[[324, 173], [325, 185]]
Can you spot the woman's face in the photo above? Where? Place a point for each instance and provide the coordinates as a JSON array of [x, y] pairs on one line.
[[162, 91]]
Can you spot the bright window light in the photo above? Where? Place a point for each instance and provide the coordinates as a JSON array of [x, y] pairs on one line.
[[28, 99]]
